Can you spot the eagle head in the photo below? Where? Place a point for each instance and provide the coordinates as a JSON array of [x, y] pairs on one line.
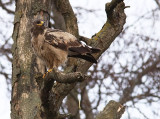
[[37, 27]]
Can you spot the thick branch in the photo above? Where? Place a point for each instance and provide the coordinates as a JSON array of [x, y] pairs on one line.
[[113, 110], [57, 17], [66, 10], [48, 95], [110, 30], [60, 77], [66, 78]]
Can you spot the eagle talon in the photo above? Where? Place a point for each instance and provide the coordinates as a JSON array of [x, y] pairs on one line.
[[44, 75], [49, 70]]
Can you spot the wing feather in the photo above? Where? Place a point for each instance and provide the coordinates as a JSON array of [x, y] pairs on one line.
[[68, 42]]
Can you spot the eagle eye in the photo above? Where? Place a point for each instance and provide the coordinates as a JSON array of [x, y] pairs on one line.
[[38, 22]]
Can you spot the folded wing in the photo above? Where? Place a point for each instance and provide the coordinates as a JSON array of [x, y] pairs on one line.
[[69, 43]]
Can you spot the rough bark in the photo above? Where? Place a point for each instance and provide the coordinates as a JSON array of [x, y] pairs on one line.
[[42, 101], [73, 104], [25, 102], [59, 22]]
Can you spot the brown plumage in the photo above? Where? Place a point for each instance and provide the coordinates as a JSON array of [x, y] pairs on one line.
[[54, 46]]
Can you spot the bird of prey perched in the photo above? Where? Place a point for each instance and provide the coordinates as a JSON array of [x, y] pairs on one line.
[[53, 46]]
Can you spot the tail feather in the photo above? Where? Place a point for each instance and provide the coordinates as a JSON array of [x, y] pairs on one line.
[[95, 50], [83, 52], [87, 57], [85, 49]]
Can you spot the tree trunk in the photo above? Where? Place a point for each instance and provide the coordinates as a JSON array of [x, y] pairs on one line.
[[37, 98], [26, 102]]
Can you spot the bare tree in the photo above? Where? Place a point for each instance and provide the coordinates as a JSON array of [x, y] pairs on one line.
[[33, 97], [133, 79]]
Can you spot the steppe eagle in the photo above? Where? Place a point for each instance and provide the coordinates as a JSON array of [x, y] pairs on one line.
[[54, 46]]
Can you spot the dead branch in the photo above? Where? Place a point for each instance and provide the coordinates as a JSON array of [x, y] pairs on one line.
[[113, 110]]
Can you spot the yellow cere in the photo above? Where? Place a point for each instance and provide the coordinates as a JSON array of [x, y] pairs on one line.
[[41, 23]]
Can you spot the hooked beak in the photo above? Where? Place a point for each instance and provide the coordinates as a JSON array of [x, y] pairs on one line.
[[41, 24]]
